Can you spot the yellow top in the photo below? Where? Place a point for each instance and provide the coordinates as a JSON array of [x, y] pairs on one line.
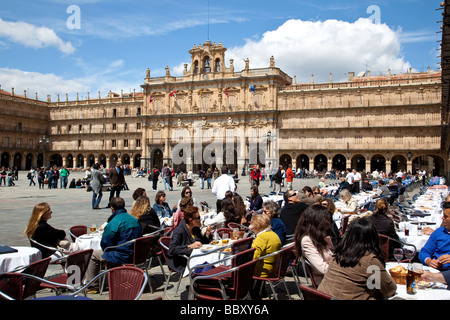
[[266, 242]]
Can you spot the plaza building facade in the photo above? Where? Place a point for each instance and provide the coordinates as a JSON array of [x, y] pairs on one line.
[[214, 115]]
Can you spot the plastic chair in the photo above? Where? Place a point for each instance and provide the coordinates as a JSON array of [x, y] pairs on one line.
[[241, 245], [308, 268], [125, 282], [46, 251], [38, 269], [164, 243], [242, 282], [141, 255], [77, 231], [12, 285], [285, 257], [74, 269], [223, 231], [313, 294], [226, 280]]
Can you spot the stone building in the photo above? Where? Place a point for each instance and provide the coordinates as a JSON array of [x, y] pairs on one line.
[[214, 115]]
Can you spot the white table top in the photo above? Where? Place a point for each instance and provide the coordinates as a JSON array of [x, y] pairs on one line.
[[24, 256], [437, 292], [89, 241], [208, 258]]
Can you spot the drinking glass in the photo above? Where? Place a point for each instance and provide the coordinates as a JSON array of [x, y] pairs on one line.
[[398, 254], [410, 252], [93, 228], [235, 233]]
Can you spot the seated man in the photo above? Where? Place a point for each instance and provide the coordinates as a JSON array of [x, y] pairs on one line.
[[290, 213], [121, 227], [436, 252], [382, 190], [366, 185]]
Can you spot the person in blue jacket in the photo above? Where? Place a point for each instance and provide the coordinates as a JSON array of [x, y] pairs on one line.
[[436, 252], [121, 227], [272, 209]]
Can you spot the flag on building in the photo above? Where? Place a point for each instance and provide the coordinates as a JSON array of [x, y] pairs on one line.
[[173, 93], [151, 98], [252, 89], [226, 92], [201, 92]]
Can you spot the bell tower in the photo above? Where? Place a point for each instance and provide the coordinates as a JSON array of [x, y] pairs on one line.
[[207, 58]]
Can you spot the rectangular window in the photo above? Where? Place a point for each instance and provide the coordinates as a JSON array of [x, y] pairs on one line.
[[19, 126], [125, 143], [114, 143], [114, 113], [114, 126], [138, 143], [79, 143], [138, 111], [138, 126], [69, 128], [125, 127], [126, 111], [80, 128]]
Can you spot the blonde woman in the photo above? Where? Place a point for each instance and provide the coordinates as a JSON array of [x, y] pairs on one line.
[[351, 206], [39, 230], [145, 214], [266, 242]]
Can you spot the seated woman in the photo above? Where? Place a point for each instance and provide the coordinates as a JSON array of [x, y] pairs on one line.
[[39, 230], [272, 210], [334, 230], [147, 217], [393, 188], [351, 206], [162, 208], [266, 242], [227, 214], [347, 277], [179, 215], [312, 241], [240, 209], [255, 199], [186, 237]]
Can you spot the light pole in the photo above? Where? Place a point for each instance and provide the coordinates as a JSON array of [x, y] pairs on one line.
[[269, 137], [43, 141]]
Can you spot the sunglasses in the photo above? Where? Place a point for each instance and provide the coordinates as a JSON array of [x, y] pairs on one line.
[[294, 194], [188, 192]]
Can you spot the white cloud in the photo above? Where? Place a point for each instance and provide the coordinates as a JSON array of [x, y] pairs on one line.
[[43, 84], [32, 36], [303, 48]]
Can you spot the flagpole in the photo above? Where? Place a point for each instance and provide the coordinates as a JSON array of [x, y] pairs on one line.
[[208, 22]]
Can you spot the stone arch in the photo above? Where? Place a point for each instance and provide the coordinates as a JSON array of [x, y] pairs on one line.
[[320, 162], [398, 162], [359, 162], [303, 161], [339, 162], [285, 160], [378, 162]]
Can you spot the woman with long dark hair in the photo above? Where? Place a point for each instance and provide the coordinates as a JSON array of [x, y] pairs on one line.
[[312, 240], [357, 270], [256, 201]]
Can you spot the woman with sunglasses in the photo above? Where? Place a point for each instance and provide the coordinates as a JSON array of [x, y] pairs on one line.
[[186, 237], [187, 192]]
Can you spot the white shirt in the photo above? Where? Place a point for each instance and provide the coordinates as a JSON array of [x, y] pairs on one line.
[[350, 177], [223, 184]]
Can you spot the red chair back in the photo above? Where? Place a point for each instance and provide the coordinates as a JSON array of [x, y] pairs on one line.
[[308, 268], [125, 282], [142, 247], [81, 260], [313, 294], [285, 259], [12, 285], [77, 231], [38, 269], [164, 242], [241, 245], [222, 231], [244, 279]]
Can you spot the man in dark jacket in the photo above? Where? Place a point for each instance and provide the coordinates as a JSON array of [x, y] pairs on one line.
[[278, 179], [290, 213], [116, 178]]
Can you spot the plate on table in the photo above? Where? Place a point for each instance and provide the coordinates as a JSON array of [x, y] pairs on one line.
[[422, 222], [207, 247]]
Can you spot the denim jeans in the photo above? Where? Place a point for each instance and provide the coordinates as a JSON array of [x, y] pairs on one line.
[[166, 181], [96, 198], [63, 183]]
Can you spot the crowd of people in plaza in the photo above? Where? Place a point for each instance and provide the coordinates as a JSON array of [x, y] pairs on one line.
[[339, 260]]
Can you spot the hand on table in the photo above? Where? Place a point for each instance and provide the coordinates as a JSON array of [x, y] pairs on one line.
[[432, 277], [196, 245], [433, 263], [444, 259]]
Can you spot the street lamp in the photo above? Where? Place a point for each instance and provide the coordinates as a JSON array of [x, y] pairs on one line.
[[43, 140], [269, 137]]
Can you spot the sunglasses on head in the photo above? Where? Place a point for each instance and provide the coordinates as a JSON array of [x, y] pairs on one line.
[[294, 194]]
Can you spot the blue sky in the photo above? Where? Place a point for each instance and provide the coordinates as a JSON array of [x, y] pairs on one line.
[[117, 41]]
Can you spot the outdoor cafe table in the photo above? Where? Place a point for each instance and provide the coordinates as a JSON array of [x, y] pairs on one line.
[[89, 241], [207, 258], [23, 257], [436, 292]]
